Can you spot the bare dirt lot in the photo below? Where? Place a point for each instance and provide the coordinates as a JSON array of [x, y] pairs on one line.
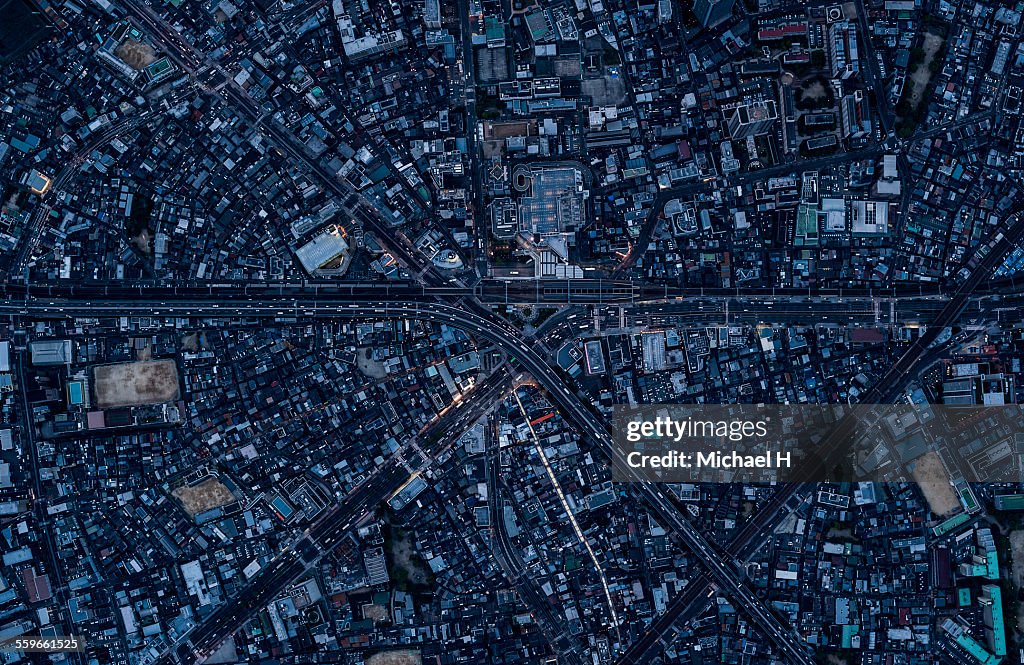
[[136, 54], [405, 657], [815, 90], [378, 613], [503, 130], [207, 495], [373, 369], [934, 481], [131, 384], [190, 342], [568, 67]]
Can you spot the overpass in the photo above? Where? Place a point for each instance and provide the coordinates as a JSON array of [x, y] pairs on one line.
[[489, 328], [488, 291], [633, 304]]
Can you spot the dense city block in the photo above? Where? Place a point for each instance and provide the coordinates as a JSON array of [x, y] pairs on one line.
[[316, 317]]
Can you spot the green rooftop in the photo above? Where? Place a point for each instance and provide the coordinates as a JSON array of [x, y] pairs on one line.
[[997, 631], [494, 29], [992, 565], [971, 646], [806, 226], [848, 633], [1010, 502], [950, 524]]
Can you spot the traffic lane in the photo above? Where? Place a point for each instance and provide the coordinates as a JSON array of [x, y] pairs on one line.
[[501, 334], [266, 587], [326, 535]]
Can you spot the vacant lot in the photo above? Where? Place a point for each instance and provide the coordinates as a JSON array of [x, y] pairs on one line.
[[207, 495], [568, 67], [606, 91], [374, 369], [404, 657], [378, 613], [934, 481], [925, 60], [131, 384], [136, 54]]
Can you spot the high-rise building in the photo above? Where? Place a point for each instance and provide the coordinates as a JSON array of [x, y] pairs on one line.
[[842, 49], [855, 115], [712, 12], [751, 118], [991, 602]]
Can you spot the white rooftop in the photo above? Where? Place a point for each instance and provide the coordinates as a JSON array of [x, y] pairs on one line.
[[322, 249]]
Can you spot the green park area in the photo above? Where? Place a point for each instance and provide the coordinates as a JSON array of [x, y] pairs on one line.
[[925, 61]]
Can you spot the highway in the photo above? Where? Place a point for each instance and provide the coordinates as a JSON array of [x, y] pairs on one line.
[[289, 565], [722, 308], [885, 390], [490, 291], [465, 307], [503, 335], [33, 232], [220, 301], [295, 561], [499, 333], [479, 321]]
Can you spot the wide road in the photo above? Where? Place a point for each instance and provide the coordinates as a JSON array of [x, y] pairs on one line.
[[468, 317], [722, 308], [885, 390], [289, 565], [488, 291], [502, 335], [329, 530], [33, 233]]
